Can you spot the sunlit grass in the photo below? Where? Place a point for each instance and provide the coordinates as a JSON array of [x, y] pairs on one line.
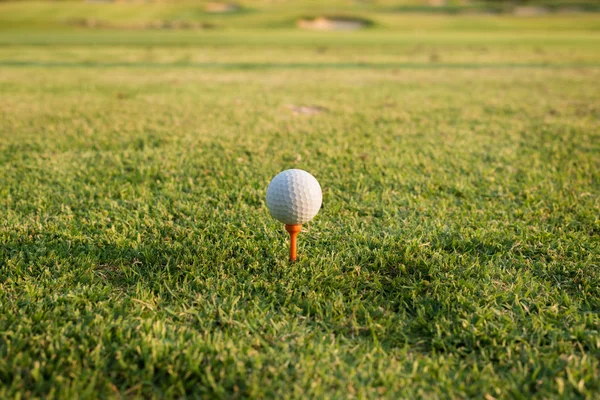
[[456, 254]]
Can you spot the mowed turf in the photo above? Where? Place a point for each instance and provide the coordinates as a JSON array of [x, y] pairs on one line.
[[456, 254]]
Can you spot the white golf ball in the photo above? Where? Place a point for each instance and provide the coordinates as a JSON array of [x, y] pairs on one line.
[[294, 197]]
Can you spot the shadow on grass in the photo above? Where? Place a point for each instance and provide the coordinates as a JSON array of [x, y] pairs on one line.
[[412, 294], [121, 266]]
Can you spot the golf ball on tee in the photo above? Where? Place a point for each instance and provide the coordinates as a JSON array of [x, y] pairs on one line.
[[294, 197]]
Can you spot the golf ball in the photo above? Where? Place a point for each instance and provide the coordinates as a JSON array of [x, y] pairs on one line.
[[294, 197]]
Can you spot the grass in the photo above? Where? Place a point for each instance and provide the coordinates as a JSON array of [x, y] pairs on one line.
[[456, 254]]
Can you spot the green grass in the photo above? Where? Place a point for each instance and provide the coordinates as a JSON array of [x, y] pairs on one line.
[[456, 255]]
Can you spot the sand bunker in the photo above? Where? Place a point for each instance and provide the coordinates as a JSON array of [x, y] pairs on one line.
[[530, 11], [96, 23], [215, 7], [332, 24]]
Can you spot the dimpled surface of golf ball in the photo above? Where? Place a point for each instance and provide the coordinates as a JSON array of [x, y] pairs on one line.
[[294, 197]]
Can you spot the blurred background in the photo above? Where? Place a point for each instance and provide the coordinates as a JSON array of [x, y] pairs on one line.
[[424, 31]]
